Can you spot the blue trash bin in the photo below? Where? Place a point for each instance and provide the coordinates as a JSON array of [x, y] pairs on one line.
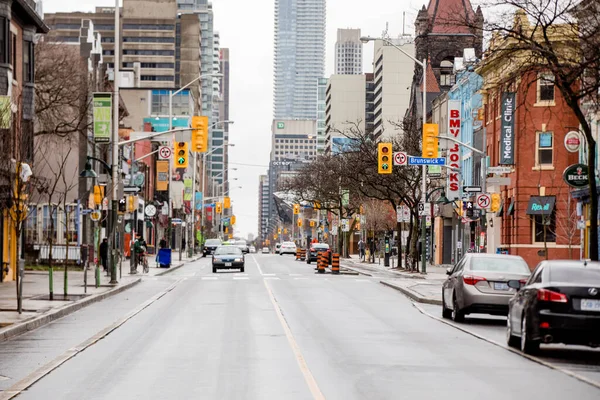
[[164, 258]]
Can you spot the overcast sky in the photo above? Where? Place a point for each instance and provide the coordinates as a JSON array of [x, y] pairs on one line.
[[246, 28]]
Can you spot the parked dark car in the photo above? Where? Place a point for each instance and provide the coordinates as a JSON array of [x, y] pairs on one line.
[[560, 303], [313, 252], [210, 246], [228, 257]]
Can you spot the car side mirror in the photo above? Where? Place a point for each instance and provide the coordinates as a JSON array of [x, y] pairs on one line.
[[514, 284], [449, 271]]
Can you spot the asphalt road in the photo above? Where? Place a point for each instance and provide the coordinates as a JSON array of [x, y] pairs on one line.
[[280, 331]]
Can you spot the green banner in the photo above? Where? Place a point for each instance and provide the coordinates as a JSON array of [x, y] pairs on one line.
[[102, 117], [187, 194]]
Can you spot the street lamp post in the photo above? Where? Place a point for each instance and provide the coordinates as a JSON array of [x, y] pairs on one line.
[[172, 166], [423, 65]]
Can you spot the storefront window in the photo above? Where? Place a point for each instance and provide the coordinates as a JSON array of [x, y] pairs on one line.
[[549, 221]]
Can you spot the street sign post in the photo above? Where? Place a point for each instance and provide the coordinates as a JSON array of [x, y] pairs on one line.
[[483, 201], [424, 209], [499, 170], [164, 152], [400, 158], [426, 161], [498, 181]]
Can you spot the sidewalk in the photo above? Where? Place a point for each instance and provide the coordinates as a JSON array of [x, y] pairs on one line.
[[418, 287], [39, 310]]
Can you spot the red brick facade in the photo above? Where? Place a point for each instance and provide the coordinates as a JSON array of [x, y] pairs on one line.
[[533, 174]]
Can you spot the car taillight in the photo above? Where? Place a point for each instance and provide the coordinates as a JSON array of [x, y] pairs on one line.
[[549, 295], [523, 281], [312, 250], [472, 279]]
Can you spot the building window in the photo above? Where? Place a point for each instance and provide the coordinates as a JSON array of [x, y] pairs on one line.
[[31, 233], [4, 30], [546, 87], [28, 61], [447, 77], [545, 148], [13, 54], [547, 221], [48, 233]]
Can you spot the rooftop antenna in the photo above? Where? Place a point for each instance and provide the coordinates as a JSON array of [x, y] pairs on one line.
[[385, 34]]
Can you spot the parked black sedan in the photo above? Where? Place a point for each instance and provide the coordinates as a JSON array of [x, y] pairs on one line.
[[560, 303], [313, 252], [210, 246], [228, 257]]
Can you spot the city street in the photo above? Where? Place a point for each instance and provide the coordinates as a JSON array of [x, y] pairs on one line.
[[277, 331]]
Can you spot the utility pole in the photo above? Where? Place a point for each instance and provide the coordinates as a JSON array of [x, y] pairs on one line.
[[115, 150]]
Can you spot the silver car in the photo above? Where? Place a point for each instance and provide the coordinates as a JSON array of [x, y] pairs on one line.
[[479, 284]]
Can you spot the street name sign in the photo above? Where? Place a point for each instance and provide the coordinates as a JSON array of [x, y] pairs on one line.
[[499, 170], [472, 189], [498, 181], [426, 161], [400, 158]]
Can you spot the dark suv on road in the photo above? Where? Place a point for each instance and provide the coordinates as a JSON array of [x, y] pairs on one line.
[[313, 253], [210, 246]]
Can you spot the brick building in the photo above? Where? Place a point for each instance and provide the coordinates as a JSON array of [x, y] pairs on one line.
[[526, 120]]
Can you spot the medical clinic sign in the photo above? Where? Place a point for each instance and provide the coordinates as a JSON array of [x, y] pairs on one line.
[[507, 130], [453, 153]]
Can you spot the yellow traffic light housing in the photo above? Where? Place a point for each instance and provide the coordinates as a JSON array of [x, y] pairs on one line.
[[296, 209], [98, 194], [219, 208], [199, 134], [430, 141], [312, 224], [384, 158], [279, 230], [495, 206], [227, 202], [232, 220], [181, 155], [299, 223]]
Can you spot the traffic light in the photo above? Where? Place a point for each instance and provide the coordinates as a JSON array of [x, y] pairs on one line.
[[299, 223], [296, 209], [285, 231], [98, 194], [312, 224], [232, 220], [131, 203], [495, 206], [279, 230], [122, 205], [200, 134], [181, 155], [430, 140], [227, 202], [384, 158], [219, 208], [317, 205]]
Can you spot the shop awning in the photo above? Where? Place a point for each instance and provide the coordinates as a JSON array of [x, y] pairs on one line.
[[541, 205], [511, 208]]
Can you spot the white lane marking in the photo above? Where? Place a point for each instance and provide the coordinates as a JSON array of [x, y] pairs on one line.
[[210, 278], [258, 265], [240, 278], [272, 278], [299, 279], [295, 274], [308, 376], [531, 358], [362, 280], [268, 274]]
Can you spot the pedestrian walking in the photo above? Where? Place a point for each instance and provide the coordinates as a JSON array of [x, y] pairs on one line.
[[104, 254], [372, 248], [139, 248], [361, 250]]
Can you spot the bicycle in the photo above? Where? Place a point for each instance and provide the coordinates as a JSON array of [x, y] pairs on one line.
[[144, 261]]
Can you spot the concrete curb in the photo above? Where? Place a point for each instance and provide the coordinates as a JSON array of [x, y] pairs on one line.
[[52, 315], [356, 270], [412, 295]]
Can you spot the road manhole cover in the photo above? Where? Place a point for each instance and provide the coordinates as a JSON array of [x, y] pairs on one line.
[[60, 297]]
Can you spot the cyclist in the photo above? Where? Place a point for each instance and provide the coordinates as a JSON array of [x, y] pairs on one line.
[[140, 252]]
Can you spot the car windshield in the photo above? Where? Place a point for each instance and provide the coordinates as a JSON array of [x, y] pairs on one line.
[[321, 246], [587, 275], [288, 244], [212, 242], [228, 250], [499, 264]]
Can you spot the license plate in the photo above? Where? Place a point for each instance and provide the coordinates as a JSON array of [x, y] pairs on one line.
[[228, 264], [590, 305], [500, 286]]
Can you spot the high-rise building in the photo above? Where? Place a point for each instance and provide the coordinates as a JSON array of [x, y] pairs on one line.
[[348, 52], [369, 103], [393, 75], [321, 125], [224, 110], [263, 206], [299, 57], [345, 115], [293, 140]]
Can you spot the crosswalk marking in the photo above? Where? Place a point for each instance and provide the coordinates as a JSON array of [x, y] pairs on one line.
[[210, 278], [272, 278], [239, 278], [268, 274]]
